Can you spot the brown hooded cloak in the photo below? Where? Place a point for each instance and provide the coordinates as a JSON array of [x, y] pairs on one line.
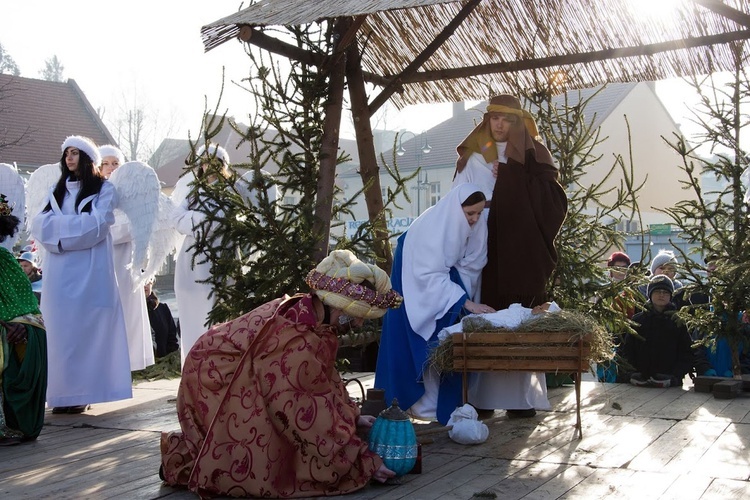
[[526, 212]]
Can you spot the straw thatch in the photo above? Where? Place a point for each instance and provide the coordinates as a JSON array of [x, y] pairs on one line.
[[503, 46]]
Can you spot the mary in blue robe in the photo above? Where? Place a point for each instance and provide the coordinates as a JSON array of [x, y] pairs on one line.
[[436, 268]]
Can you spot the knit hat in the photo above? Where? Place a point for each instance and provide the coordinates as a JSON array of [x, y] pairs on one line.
[[110, 150], [337, 282], [663, 257], [28, 257], [214, 150], [83, 144], [618, 257], [659, 282]]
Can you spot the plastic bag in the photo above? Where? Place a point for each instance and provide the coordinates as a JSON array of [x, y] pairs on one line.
[[467, 429]]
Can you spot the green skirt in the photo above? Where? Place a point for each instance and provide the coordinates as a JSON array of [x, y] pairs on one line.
[[24, 385]]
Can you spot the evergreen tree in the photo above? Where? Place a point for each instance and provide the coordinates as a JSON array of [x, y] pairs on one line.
[[716, 222], [7, 65], [265, 249], [53, 70], [588, 234]]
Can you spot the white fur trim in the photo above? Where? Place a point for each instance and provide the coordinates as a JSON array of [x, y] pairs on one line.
[[110, 150], [214, 150], [84, 144]]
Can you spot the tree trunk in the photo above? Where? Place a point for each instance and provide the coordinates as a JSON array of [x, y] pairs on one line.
[[368, 168], [329, 150]]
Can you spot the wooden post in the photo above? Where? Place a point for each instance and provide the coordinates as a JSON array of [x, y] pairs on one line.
[[368, 163], [465, 379], [578, 389], [329, 152]]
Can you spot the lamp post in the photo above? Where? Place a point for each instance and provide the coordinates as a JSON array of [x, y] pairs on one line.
[[425, 149]]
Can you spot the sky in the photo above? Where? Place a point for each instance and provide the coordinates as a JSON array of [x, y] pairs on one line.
[[152, 51], [148, 49]]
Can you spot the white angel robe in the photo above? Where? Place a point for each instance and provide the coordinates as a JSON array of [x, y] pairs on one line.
[[87, 346], [193, 302], [132, 297], [506, 390]]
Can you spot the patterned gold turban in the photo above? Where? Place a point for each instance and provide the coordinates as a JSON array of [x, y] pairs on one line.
[[337, 282]]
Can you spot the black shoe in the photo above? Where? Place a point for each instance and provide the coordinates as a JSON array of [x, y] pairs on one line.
[[527, 413], [639, 380], [77, 409], [60, 409], [10, 441], [484, 414]]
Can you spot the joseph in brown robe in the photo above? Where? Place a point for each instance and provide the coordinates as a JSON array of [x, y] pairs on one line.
[[527, 207]]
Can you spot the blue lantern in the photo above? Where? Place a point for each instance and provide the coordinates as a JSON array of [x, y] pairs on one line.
[[393, 438]]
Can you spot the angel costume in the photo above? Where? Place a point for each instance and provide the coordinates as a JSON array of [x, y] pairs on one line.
[[191, 291], [436, 267], [88, 349], [12, 186], [506, 390], [137, 326], [138, 191]]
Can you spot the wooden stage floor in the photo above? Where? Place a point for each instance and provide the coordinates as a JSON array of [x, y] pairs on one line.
[[638, 443]]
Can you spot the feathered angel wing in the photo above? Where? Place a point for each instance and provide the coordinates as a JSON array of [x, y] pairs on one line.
[[164, 238], [11, 185], [38, 188], [138, 192]]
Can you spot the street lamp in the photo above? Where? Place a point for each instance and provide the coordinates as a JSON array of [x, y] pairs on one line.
[[425, 149]]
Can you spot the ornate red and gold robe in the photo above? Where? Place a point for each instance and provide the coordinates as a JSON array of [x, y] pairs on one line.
[[264, 412]]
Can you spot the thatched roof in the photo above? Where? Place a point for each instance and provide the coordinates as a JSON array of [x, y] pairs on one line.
[[502, 45]]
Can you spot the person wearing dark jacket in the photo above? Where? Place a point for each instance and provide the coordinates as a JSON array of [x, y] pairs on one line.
[[162, 323], [661, 355]]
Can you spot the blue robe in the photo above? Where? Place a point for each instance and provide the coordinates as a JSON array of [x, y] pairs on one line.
[[403, 354]]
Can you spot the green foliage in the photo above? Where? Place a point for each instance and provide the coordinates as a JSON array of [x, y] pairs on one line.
[[716, 221], [262, 249], [7, 65], [53, 70], [588, 234], [167, 367]]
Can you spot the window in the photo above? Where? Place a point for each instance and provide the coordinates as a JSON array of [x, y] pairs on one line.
[[434, 193]]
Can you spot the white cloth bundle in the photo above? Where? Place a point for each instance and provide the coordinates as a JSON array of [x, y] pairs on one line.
[[467, 429]]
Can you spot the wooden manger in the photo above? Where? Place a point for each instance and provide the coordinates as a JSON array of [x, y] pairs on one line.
[[562, 352]]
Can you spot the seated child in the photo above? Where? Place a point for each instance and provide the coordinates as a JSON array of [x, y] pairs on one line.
[[661, 355]]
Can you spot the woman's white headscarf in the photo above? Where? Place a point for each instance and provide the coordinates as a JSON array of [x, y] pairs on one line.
[[437, 240]]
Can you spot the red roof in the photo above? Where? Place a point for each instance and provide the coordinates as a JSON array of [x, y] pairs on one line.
[[43, 114]]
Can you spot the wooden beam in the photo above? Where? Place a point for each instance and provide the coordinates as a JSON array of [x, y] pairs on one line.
[[722, 9], [261, 40], [568, 59], [412, 67]]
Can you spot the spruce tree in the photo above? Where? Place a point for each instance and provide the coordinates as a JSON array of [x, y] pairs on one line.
[[261, 251], [716, 221], [589, 231]]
